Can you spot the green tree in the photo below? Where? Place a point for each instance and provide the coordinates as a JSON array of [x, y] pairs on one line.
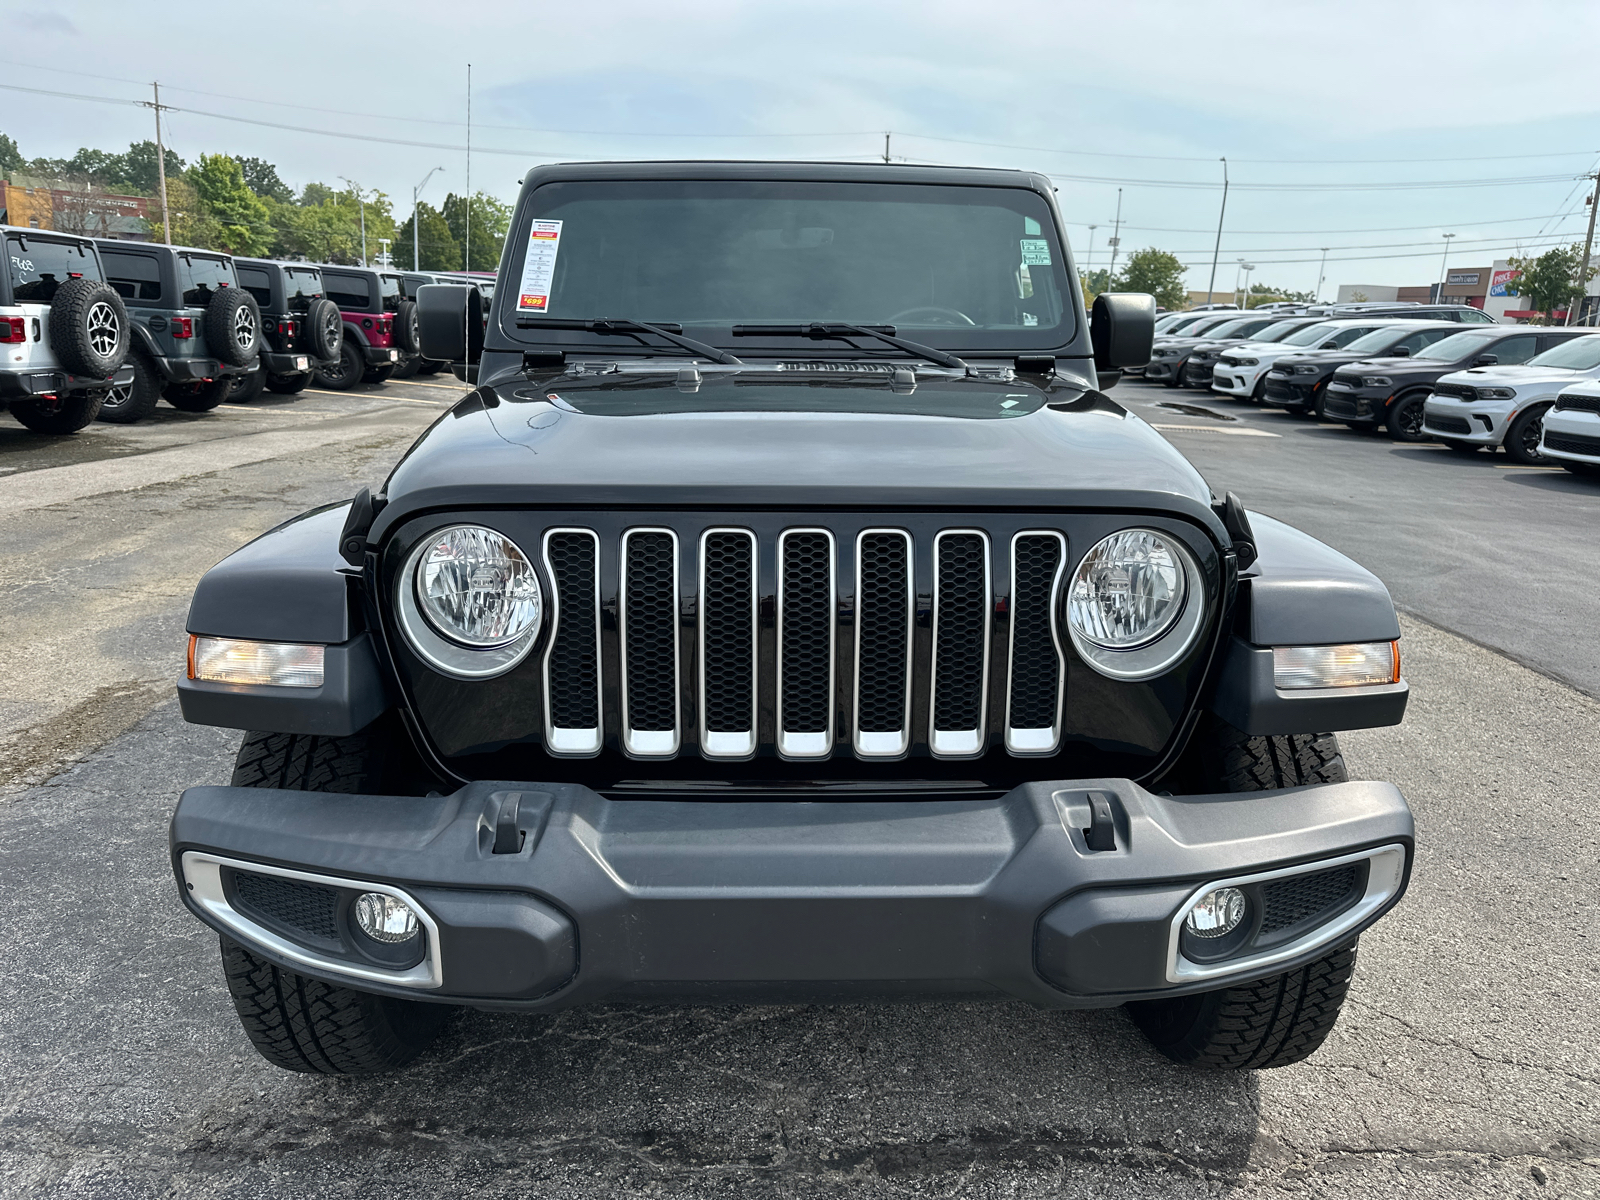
[[192, 222], [240, 214], [491, 219], [10, 157], [1261, 293], [317, 193], [1550, 281], [138, 167], [261, 177], [436, 246], [1157, 272]]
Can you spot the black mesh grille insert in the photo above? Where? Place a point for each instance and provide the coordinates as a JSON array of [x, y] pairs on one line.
[[728, 656], [881, 626], [574, 662], [962, 626], [1571, 403], [1460, 391], [807, 626], [1035, 666], [1287, 902], [650, 620], [1448, 424], [1572, 443], [307, 907]]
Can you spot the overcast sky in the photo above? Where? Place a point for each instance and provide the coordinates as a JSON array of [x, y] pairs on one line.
[[1145, 95]]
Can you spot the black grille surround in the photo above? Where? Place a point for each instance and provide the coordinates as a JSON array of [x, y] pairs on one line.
[[808, 610], [1572, 443]]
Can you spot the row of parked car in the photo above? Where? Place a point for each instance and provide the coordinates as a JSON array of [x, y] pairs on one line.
[[107, 329], [1421, 373]]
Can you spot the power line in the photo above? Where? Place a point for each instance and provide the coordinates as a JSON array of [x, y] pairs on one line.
[[1375, 229]]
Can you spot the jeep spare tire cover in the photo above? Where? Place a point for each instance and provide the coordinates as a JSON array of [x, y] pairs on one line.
[[233, 326], [324, 328], [88, 328], [405, 327]]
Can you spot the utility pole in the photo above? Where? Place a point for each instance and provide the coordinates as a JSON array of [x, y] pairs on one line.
[[467, 250], [885, 147], [1116, 238], [161, 169], [1588, 245], [1212, 286], [361, 199], [416, 257], [1444, 278], [1322, 273], [1088, 260]]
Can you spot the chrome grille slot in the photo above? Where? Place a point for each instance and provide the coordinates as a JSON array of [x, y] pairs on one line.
[[806, 643], [727, 643], [572, 662], [883, 643], [648, 614], [961, 605], [1036, 679]]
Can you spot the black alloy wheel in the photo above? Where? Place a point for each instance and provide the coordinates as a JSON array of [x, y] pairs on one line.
[[352, 365], [1524, 435], [1407, 416], [125, 405]]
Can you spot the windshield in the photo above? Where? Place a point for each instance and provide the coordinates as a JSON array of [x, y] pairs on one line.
[[1234, 328], [1378, 339], [1457, 346], [1580, 354], [1273, 332], [1312, 334], [949, 265]]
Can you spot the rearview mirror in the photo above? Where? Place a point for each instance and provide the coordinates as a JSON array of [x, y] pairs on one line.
[[1486, 360], [1122, 328], [450, 322]]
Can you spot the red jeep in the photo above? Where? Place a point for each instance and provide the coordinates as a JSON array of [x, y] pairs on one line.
[[377, 324]]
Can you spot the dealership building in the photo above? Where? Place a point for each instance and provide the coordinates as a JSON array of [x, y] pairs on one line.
[[1491, 288]]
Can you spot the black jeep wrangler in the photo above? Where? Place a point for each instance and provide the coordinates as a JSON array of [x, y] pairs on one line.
[[63, 332], [194, 329], [789, 615], [300, 327], [407, 337]]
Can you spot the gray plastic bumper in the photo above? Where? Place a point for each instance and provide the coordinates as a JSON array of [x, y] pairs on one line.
[[381, 356], [290, 363], [22, 385], [644, 900]]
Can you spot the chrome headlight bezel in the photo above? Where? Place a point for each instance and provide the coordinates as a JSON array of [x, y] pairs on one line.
[[1164, 649], [444, 654]]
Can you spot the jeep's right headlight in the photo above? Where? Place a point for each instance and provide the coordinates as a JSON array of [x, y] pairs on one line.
[[470, 602], [1135, 604]]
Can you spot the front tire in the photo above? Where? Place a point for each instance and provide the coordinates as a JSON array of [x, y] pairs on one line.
[[1406, 417], [1524, 435]]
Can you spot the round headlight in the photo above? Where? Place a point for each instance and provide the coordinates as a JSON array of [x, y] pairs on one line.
[[477, 587], [1128, 591]]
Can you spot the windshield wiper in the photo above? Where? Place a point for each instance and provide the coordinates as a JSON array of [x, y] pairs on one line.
[[834, 329], [624, 326]]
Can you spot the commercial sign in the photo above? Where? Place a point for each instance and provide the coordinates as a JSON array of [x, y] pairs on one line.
[[1462, 277], [1499, 281]]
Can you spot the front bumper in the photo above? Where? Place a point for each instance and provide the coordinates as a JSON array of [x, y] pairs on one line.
[[23, 385], [1479, 422], [1289, 392], [1356, 405], [1196, 374], [1571, 434], [1162, 369], [1232, 380], [606, 900]]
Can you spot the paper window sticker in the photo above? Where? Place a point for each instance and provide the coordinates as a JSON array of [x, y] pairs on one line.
[[1035, 252], [539, 267]]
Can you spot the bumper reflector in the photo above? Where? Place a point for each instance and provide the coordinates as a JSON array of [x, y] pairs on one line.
[[1355, 665], [268, 664]]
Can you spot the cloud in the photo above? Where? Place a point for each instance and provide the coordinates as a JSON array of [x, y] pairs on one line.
[[43, 22]]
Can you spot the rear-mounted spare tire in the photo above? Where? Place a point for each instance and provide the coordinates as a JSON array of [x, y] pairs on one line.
[[405, 327], [88, 328], [324, 328], [233, 326]]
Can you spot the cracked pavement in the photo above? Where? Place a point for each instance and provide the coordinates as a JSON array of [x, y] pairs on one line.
[[1464, 1065]]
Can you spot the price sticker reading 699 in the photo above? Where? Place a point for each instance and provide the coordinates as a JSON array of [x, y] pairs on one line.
[[539, 267]]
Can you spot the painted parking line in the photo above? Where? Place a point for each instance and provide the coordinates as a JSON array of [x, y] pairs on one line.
[[347, 395], [1215, 429], [449, 387]]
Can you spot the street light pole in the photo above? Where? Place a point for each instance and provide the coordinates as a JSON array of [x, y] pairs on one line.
[[1588, 245], [1116, 238], [1212, 286], [1248, 267], [1444, 278], [361, 199], [1322, 273], [416, 258]]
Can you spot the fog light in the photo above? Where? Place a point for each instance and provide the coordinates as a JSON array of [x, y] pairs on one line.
[[1216, 914], [273, 664], [385, 919], [1335, 666]]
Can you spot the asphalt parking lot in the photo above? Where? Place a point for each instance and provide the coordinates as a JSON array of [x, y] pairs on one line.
[[1465, 1064]]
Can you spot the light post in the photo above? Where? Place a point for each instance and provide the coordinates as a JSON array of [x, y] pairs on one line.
[[1322, 273], [1217, 249], [1248, 267], [1444, 278], [416, 259], [361, 199], [383, 253]]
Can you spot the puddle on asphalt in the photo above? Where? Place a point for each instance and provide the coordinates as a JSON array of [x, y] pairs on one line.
[[1194, 410]]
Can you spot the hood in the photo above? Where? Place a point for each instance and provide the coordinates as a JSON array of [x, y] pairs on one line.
[[757, 438], [1514, 376]]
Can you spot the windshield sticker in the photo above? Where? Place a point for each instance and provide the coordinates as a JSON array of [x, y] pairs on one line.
[[539, 267], [1035, 252]]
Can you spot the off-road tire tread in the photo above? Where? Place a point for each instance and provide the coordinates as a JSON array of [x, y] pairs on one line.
[[1258, 764], [307, 763], [77, 412], [218, 325], [69, 330], [306, 1025]]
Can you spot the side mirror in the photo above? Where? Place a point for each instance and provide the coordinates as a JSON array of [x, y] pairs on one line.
[[1486, 360], [450, 322], [1330, 344], [1122, 329], [1400, 352]]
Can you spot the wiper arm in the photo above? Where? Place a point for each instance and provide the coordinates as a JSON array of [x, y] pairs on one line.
[[624, 326], [834, 329]]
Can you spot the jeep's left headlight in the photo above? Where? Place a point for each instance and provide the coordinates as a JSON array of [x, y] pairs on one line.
[[1135, 604], [470, 601]]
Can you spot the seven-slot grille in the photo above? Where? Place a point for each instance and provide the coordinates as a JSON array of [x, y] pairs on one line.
[[844, 644]]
